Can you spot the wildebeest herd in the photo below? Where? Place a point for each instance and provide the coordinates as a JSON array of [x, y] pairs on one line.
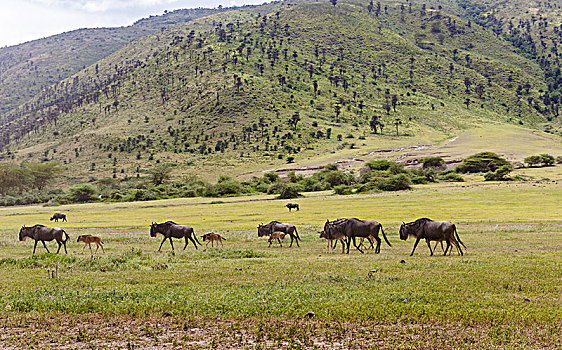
[[344, 231]]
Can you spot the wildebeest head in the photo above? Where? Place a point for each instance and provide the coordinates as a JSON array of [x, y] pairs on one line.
[[24, 232], [323, 234], [153, 228], [406, 230], [205, 236], [262, 230], [78, 240]]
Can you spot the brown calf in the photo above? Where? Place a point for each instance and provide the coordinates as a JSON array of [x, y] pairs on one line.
[[88, 240], [334, 239], [277, 235], [213, 237]]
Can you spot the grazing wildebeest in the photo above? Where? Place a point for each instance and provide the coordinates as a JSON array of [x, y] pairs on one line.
[[277, 235], [292, 206], [57, 216], [43, 233], [430, 230], [335, 238], [88, 240], [213, 237], [170, 229], [353, 228], [290, 229]]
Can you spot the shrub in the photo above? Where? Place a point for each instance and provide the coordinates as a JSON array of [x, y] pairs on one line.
[[336, 178], [533, 160], [433, 162], [482, 162], [271, 177], [500, 174], [547, 159], [394, 183], [343, 189], [451, 176], [82, 193], [381, 164], [289, 190], [228, 187]]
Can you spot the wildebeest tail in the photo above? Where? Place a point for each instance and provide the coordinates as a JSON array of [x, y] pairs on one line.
[[297, 233], [458, 238], [67, 236], [386, 239], [196, 240]]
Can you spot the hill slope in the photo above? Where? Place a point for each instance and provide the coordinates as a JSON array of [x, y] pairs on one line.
[[27, 68], [245, 90]]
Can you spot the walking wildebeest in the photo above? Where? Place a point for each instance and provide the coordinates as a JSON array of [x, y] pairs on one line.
[[88, 240], [57, 216], [335, 238], [430, 230], [290, 229], [213, 237], [292, 206], [170, 229], [277, 235], [43, 233], [353, 228]]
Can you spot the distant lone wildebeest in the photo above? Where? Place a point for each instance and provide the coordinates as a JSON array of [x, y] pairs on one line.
[[353, 228], [290, 229], [431, 230], [88, 240], [213, 237], [292, 206], [170, 229], [333, 241], [277, 235], [43, 233], [57, 216]]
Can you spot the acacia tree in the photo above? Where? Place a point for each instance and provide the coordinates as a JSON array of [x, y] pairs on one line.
[[160, 174], [40, 174]]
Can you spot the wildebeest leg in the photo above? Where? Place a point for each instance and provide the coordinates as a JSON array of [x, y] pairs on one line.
[[164, 240], [328, 247], [355, 244], [281, 244], [348, 243], [290, 245], [65, 251], [192, 241], [342, 245], [34, 246], [448, 246], [222, 245], [44, 245], [378, 248], [84, 247], [90, 245], [186, 241], [415, 245], [171, 243], [429, 246]]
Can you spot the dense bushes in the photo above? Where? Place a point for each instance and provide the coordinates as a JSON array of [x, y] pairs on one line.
[[540, 160], [481, 163]]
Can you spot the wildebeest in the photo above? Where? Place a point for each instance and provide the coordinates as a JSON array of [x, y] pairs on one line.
[[334, 239], [353, 228], [292, 206], [431, 230], [170, 229], [57, 216], [88, 240], [277, 235], [213, 237], [43, 233], [290, 229]]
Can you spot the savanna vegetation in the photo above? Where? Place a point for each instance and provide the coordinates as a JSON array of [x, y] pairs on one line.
[[504, 292]]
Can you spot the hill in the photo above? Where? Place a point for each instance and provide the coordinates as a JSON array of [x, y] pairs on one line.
[[27, 68], [250, 89]]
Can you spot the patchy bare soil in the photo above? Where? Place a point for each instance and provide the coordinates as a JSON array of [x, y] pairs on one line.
[[109, 332]]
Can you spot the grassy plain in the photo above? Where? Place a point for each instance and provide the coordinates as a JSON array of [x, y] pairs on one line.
[[505, 292]]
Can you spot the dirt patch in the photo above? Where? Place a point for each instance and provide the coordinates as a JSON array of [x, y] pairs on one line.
[[110, 332]]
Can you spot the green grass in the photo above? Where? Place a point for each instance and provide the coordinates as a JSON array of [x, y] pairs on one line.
[[508, 280]]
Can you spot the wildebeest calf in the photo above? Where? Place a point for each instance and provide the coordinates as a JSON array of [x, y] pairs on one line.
[[88, 240], [333, 240], [213, 237], [277, 235], [57, 216]]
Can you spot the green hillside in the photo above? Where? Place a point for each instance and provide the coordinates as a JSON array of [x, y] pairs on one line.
[[27, 68], [248, 90]]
